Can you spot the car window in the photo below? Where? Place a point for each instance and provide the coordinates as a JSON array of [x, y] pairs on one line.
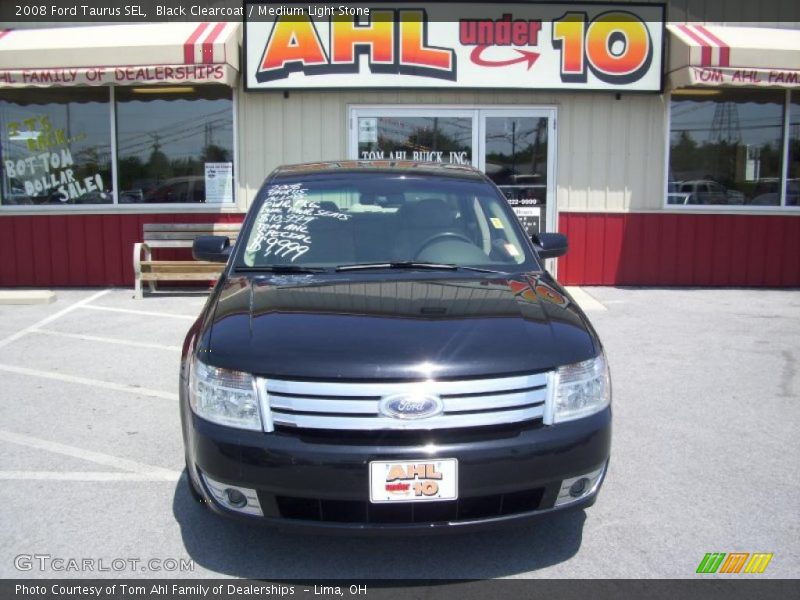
[[368, 217]]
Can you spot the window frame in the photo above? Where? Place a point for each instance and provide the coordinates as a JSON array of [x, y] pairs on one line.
[[156, 208], [781, 208]]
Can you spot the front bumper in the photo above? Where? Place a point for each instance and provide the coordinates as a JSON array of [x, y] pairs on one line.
[[322, 485]]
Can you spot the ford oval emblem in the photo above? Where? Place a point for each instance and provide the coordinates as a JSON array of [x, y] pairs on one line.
[[411, 406]]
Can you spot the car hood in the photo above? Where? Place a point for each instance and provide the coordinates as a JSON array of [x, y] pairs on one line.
[[304, 327]]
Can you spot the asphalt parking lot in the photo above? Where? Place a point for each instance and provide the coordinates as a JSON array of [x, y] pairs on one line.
[[706, 451]]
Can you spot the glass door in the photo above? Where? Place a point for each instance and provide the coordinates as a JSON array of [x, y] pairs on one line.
[[516, 152], [515, 147]]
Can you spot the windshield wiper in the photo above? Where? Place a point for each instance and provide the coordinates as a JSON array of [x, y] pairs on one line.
[[279, 269], [412, 264]]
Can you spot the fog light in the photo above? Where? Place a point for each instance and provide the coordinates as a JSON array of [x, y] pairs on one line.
[[575, 488], [234, 497]]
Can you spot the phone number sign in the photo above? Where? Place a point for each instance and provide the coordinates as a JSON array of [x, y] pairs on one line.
[[470, 45]]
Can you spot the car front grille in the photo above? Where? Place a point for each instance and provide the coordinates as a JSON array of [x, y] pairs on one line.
[[463, 509], [354, 406]]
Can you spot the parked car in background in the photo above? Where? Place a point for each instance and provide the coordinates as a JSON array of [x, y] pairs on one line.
[[178, 189], [706, 191], [767, 192], [414, 368]]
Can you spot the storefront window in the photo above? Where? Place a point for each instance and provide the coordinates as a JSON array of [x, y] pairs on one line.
[[726, 147], [55, 147], [793, 171], [175, 144], [417, 138]]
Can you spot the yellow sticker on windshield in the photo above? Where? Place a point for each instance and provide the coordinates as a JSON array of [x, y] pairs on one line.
[[512, 250], [498, 224]]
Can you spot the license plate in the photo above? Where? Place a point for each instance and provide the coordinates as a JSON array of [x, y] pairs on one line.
[[413, 480]]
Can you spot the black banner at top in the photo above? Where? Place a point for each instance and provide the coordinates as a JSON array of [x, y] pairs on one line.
[[45, 13]]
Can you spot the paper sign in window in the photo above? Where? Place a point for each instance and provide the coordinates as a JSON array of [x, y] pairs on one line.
[[219, 182]]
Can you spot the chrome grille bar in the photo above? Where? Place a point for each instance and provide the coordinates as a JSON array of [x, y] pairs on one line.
[[322, 421], [355, 405], [444, 388]]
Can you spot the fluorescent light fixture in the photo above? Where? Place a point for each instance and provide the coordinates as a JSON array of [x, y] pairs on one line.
[[160, 89]]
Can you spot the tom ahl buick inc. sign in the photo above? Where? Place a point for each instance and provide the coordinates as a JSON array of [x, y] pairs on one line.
[[469, 45]]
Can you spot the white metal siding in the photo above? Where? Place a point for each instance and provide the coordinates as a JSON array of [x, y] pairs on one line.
[[610, 152]]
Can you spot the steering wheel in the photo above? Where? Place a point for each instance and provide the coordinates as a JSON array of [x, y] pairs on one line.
[[442, 235]]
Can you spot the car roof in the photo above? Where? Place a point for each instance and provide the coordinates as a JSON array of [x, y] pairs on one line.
[[379, 166]]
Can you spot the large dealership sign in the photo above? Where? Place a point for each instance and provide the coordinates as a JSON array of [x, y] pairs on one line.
[[520, 45]]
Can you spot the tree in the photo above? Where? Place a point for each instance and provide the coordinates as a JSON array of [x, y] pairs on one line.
[[683, 156], [158, 165], [214, 153]]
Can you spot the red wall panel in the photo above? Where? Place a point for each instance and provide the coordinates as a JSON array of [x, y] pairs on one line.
[[612, 246], [41, 253], [21, 233], [681, 249], [8, 263], [790, 267], [669, 266], [605, 248], [595, 239], [703, 265], [754, 261], [739, 251], [80, 250], [773, 246], [577, 231], [59, 250]]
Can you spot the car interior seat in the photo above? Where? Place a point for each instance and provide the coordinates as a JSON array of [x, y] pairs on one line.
[[419, 221]]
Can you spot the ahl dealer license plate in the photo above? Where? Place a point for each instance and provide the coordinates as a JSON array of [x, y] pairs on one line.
[[413, 481]]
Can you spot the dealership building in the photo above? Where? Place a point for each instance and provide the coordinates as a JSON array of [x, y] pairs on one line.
[[667, 151]]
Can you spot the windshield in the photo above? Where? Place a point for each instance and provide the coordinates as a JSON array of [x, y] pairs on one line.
[[358, 218]]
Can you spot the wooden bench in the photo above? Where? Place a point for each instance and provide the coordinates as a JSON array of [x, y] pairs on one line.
[[176, 235]]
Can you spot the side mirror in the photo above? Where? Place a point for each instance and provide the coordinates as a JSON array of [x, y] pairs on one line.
[[212, 248], [551, 245]]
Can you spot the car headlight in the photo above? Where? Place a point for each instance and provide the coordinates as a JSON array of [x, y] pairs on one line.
[[581, 389], [224, 397]]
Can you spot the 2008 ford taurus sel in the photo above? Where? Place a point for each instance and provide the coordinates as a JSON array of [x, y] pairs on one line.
[[385, 351]]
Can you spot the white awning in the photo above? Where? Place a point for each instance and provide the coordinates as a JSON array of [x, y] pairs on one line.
[[152, 53], [717, 56]]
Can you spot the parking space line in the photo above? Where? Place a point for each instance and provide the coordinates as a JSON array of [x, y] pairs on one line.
[[97, 338], [51, 318], [99, 476], [97, 383], [148, 313], [584, 299], [100, 458]]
